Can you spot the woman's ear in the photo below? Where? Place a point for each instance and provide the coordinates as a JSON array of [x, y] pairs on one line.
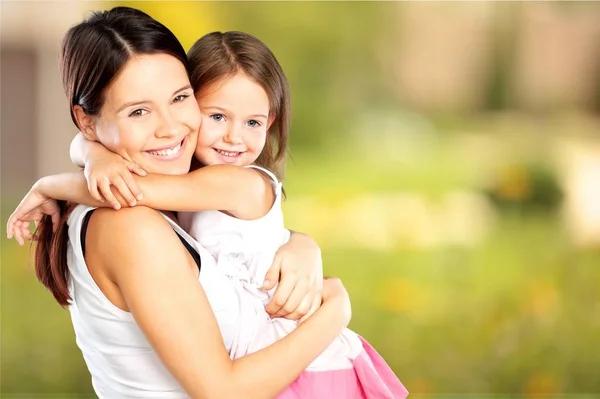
[[86, 123]]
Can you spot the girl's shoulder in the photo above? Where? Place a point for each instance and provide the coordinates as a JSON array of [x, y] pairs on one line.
[[275, 183]]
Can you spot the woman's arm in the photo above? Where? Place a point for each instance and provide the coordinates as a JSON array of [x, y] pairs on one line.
[[297, 265], [298, 268], [171, 308]]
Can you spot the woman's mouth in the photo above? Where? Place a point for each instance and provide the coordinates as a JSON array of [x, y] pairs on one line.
[[168, 153]]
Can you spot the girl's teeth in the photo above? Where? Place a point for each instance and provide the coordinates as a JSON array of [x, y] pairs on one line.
[[228, 154], [167, 152]]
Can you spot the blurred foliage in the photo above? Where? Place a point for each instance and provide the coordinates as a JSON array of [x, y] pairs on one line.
[[526, 188], [317, 59], [516, 313], [504, 43]]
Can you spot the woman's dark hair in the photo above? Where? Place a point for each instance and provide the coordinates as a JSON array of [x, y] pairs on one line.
[[92, 55], [221, 55]]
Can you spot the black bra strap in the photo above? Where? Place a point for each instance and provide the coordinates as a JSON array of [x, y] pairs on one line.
[[86, 221]]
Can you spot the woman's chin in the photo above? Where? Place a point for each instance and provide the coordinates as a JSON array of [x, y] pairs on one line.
[[179, 167]]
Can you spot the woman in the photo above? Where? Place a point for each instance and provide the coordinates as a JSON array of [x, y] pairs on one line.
[[145, 326]]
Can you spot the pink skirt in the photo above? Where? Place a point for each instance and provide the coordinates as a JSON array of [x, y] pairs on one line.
[[371, 378]]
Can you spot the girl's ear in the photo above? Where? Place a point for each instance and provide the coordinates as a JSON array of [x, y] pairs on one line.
[[270, 121], [86, 123]]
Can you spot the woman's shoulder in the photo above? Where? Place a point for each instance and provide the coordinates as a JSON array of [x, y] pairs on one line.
[[109, 227], [136, 236], [109, 214], [136, 218]]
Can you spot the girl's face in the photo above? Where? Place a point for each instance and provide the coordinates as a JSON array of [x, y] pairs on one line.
[[149, 115], [235, 120]]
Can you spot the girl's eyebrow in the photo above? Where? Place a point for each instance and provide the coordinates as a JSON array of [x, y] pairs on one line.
[[258, 116], [216, 107]]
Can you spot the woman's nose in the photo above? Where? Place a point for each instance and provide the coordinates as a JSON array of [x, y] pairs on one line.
[[168, 127]]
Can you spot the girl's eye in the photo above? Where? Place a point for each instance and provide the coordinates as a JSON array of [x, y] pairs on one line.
[[138, 112], [217, 117], [253, 123], [180, 98]]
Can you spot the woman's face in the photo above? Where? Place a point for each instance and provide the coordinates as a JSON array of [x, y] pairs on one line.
[[150, 115]]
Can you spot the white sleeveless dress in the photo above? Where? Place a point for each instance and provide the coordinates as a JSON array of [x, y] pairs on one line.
[[244, 251], [349, 368]]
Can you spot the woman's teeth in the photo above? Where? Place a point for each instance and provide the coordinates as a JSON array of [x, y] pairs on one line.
[[167, 152]]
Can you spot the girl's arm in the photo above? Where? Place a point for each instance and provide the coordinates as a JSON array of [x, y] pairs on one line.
[[73, 187], [172, 310], [243, 192], [80, 149], [105, 170]]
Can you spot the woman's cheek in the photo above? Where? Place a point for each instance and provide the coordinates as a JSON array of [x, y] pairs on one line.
[[193, 116]]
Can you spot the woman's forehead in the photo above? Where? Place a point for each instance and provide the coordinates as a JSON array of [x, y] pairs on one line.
[[147, 78]]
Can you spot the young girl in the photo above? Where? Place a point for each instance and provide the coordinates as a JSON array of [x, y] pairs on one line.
[[234, 202]]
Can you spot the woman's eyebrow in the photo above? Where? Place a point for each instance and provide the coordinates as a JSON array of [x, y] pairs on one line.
[[139, 102], [132, 103], [183, 88]]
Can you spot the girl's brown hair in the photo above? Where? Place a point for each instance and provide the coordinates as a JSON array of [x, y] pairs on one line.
[[92, 55], [220, 55]]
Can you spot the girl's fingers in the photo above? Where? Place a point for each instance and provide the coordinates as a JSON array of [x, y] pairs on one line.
[[133, 186], [124, 190], [135, 168], [9, 228], [104, 186], [18, 236], [93, 189]]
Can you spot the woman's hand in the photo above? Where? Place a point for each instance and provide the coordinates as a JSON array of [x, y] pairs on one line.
[[31, 209], [334, 290], [299, 270], [105, 169]]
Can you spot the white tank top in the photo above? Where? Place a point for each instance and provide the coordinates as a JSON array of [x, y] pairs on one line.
[[121, 361]]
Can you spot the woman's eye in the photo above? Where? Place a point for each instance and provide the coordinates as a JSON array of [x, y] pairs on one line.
[[253, 123], [138, 112], [217, 117], [180, 98]]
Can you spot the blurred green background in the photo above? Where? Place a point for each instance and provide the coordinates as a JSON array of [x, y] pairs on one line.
[[446, 157]]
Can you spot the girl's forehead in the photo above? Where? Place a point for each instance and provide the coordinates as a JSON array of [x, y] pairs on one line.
[[237, 91]]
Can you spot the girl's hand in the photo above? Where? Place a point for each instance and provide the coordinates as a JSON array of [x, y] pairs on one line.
[[298, 268], [105, 169], [31, 209]]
